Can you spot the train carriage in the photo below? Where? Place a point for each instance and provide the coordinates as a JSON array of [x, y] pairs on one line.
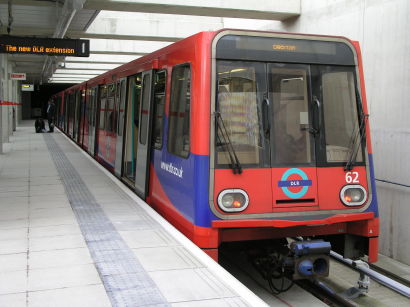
[[240, 136]]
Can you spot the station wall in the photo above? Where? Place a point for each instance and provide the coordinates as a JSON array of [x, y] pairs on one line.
[[381, 27], [10, 108]]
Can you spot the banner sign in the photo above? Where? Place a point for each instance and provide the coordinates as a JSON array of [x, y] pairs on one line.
[[27, 87], [17, 76], [44, 46]]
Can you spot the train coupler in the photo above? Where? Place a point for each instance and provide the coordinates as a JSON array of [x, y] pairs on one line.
[[311, 258]]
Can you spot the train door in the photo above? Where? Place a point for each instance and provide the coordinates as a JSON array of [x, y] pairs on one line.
[[144, 136], [82, 113], [71, 114], [77, 117], [120, 104], [131, 128], [293, 158], [92, 120], [66, 109]]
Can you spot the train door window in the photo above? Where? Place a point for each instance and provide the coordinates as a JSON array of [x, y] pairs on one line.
[[160, 81], [132, 126], [116, 106], [241, 88], [288, 89], [79, 105], [93, 106], [109, 121], [340, 113], [121, 102], [103, 100], [72, 113], [146, 88], [179, 111]]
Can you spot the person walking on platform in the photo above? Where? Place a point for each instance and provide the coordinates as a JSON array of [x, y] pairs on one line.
[[50, 115]]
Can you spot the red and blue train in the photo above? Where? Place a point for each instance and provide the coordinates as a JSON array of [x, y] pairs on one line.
[[240, 136]]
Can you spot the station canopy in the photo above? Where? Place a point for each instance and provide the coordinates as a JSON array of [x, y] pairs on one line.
[[120, 31]]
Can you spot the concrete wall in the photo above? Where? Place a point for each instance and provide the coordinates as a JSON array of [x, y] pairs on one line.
[[9, 92], [382, 28]]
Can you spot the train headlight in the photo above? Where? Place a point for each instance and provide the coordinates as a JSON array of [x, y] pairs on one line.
[[233, 200], [353, 195]]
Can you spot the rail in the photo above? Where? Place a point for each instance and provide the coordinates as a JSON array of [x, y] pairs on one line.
[[386, 281]]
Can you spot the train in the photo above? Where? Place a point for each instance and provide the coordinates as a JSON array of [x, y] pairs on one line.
[[241, 136]]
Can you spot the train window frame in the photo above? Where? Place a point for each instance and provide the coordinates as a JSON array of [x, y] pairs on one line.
[[172, 137], [155, 144]]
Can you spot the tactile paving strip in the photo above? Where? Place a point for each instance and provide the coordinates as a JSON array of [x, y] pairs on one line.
[[125, 280]]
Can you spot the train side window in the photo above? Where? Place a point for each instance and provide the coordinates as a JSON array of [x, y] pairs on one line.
[[103, 100], [179, 111], [160, 80]]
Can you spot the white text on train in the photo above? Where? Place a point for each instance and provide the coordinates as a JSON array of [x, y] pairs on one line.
[[172, 169]]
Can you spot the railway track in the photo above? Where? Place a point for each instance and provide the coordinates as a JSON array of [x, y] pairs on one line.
[[330, 291]]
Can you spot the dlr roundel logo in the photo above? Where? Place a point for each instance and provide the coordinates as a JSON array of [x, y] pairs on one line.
[[304, 183]]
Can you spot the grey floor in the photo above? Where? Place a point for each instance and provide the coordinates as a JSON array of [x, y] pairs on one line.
[[50, 243]]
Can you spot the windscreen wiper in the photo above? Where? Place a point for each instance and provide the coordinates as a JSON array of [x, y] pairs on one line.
[[224, 140], [357, 137]]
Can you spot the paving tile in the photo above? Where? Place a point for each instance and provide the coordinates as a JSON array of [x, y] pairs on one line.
[[64, 220], [6, 183], [13, 194], [62, 277], [13, 246], [52, 213], [13, 282], [13, 214], [152, 259], [59, 258], [13, 188], [44, 198], [52, 231], [56, 242], [13, 300], [87, 296], [48, 190], [13, 262], [49, 205], [6, 207], [188, 285], [225, 302], [13, 200], [42, 181], [13, 234], [146, 238], [13, 224]]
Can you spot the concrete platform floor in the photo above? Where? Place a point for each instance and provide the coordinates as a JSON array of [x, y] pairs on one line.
[[80, 240]]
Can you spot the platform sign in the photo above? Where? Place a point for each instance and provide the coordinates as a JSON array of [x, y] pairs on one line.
[[17, 76], [27, 87], [44, 46]]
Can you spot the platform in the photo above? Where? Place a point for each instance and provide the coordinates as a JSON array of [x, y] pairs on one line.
[[73, 235]]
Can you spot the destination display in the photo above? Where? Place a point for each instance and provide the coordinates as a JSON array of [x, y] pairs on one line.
[[44, 46]]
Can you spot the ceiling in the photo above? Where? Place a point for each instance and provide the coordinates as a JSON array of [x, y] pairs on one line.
[[121, 30]]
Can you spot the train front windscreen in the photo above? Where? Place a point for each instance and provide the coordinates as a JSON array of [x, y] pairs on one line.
[[286, 103]]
